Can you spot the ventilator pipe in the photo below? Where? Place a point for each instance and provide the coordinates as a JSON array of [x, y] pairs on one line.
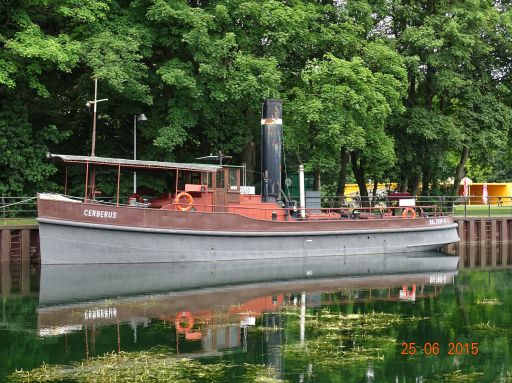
[[302, 192]]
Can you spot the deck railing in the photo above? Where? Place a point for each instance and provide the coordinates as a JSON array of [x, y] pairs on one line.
[[458, 206], [321, 213]]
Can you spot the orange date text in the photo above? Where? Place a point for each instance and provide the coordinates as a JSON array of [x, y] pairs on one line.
[[434, 348]]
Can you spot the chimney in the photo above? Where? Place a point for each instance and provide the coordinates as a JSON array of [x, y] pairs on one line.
[[271, 143]]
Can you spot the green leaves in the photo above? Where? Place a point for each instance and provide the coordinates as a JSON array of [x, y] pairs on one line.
[[403, 87], [22, 165], [452, 51], [344, 107], [84, 11], [180, 76], [252, 78], [115, 58], [7, 70], [32, 43]]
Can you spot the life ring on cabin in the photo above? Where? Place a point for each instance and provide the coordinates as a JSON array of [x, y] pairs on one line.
[[405, 214], [189, 198], [409, 294], [184, 322], [137, 197]]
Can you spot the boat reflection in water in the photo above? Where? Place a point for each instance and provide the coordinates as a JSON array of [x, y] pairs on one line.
[[215, 302]]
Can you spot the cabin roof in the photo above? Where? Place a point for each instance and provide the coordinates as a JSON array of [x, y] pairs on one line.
[[134, 163]]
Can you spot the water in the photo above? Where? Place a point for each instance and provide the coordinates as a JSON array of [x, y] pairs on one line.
[[349, 319]]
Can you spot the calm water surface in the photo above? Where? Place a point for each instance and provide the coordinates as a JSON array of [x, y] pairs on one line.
[[426, 317]]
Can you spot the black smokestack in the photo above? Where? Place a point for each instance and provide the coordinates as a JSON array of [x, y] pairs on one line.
[[271, 142]]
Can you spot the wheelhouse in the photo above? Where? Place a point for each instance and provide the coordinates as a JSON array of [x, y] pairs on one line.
[[203, 187]]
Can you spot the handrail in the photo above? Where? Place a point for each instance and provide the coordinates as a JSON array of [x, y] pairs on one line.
[[461, 206], [376, 212], [458, 206], [316, 213]]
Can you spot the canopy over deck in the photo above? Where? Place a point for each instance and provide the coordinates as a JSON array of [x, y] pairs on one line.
[[134, 164]]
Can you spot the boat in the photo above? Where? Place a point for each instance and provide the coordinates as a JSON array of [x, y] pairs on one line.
[[207, 214]]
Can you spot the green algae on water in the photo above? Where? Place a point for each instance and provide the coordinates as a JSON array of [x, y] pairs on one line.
[[459, 376], [489, 328], [257, 373], [345, 339], [489, 301], [156, 365]]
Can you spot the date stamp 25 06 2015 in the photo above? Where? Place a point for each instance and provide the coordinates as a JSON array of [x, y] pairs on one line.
[[434, 348]]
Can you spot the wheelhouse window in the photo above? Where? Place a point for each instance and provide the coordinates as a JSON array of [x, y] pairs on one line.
[[206, 179], [195, 178], [233, 179], [186, 177], [220, 179]]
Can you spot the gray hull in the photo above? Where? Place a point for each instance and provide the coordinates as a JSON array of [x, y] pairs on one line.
[[85, 243]]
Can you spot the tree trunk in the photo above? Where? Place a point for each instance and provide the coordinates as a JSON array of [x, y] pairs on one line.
[[340, 189], [459, 171], [404, 185], [425, 182], [374, 192], [359, 175], [415, 184], [316, 179], [435, 186], [411, 93], [429, 87], [249, 157]]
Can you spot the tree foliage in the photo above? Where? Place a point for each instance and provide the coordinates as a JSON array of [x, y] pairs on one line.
[[416, 92]]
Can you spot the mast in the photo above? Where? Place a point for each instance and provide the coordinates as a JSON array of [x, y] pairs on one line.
[[92, 174], [95, 110]]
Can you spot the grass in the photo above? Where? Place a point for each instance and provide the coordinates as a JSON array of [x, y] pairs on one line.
[[6, 222], [483, 211]]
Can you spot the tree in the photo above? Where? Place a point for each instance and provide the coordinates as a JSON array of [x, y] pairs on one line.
[[455, 99], [343, 107]]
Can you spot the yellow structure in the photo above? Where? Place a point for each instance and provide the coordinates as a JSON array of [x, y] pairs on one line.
[[499, 193], [353, 189]]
